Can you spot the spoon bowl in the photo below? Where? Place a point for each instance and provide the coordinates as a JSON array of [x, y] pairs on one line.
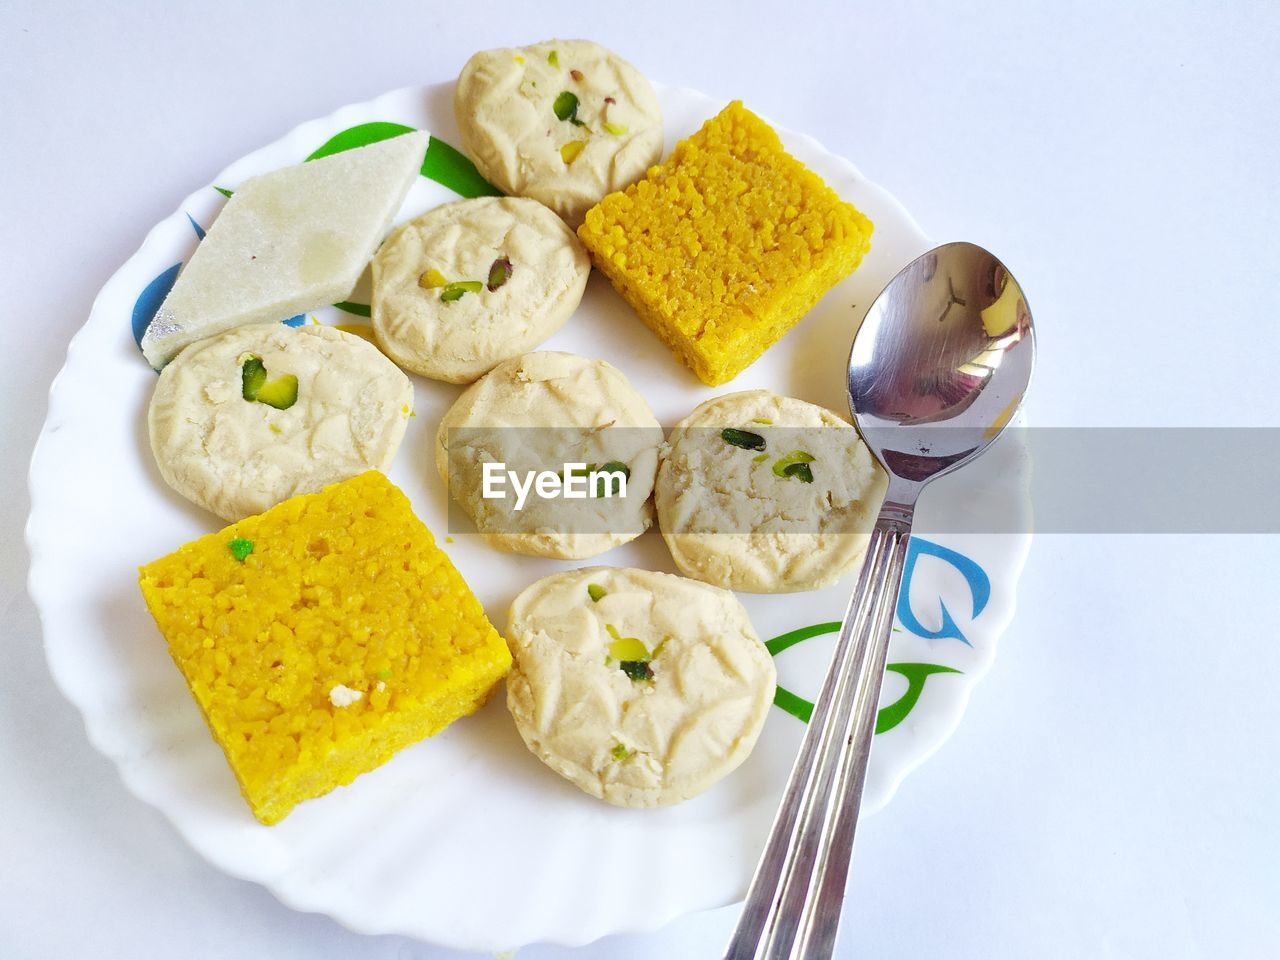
[[941, 362]]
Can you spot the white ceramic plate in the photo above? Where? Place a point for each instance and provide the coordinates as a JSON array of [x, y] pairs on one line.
[[466, 840]]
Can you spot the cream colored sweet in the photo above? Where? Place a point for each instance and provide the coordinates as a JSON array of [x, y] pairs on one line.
[[564, 122], [785, 503], [238, 457], [537, 414], [287, 242], [642, 688], [530, 270]]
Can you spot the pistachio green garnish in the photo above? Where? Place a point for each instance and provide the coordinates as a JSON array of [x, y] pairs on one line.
[[570, 151], [605, 485], [638, 670], [742, 438], [432, 279], [759, 457], [384, 674], [566, 106], [553, 58], [455, 290], [596, 592], [620, 752], [616, 129], [765, 420], [795, 464], [281, 393], [499, 273], [626, 648], [631, 655], [240, 548], [252, 376]]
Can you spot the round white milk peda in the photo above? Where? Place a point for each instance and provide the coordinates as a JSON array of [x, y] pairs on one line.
[[642, 688], [261, 413], [767, 494], [540, 415], [564, 122], [472, 283]]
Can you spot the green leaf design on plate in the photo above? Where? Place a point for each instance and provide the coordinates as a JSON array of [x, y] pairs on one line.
[[358, 309], [916, 674], [449, 167], [889, 716], [798, 707], [443, 164], [781, 642], [361, 135], [224, 191]]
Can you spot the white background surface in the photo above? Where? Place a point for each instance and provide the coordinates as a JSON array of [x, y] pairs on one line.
[[1113, 790]]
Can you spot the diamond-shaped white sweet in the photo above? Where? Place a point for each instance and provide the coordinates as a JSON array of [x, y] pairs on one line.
[[287, 242]]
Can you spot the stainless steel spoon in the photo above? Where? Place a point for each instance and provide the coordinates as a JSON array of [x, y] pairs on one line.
[[937, 370]]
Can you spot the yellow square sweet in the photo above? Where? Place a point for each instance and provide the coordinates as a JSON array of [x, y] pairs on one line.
[[725, 246], [321, 637]]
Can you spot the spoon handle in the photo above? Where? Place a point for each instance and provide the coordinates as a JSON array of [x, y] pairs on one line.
[[793, 905]]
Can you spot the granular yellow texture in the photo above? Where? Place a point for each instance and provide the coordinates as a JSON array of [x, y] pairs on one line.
[[339, 593], [725, 246]]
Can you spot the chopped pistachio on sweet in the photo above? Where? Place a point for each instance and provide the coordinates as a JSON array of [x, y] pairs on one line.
[[638, 670], [613, 466], [431, 279], [499, 273], [760, 458], [240, 548], [616, 129], [631, 655], [458, 288], [281, 393], [742, 438], [252, 376], [626, 648], [553, 58], [566, 106], [596, 592], [570, 151], [765, 420], [795, 464], [620, 752], [577, 75]]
